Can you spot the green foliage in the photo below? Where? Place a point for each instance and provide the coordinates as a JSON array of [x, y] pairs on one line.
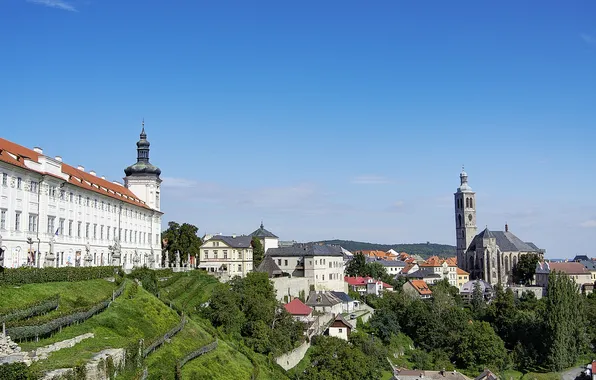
[[477, 302], [40, 330], [565, 325], [334, 358], [183, 238], [258, 252], [372, 347], [247, 308], [20, 276], [425, 250], [28, 311], [147, 277], [356, 266], [17, 371], [524, 271], [385, 324], [480, 347]]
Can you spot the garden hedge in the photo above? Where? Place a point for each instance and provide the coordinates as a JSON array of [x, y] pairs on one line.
[[32, 310], [21, 276], [36, 331]]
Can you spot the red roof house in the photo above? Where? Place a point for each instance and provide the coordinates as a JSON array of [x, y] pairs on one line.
[[297, 308]]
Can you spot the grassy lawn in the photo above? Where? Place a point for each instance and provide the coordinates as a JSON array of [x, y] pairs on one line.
[[72, 294], [197, 288], [162, 362], [126, 321], [511, 375], [222, 363]]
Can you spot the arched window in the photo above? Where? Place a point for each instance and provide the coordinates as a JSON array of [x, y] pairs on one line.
[[507, 265], [471, 204], [467, 202], [459, 220], [514, 262], [471, 267]]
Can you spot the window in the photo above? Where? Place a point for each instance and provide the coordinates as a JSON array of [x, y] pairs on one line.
[[286, 262], [51, 220], [52, 192], [125, 234], [4, 179], [33, 187], [239, 255], [87, 230], [61, 226], [62, 193], [32, 222], [239, 267], [150, 237], [136, 240], [340, 330], [206, 254], [215, 254], [80, 199], [330, 265], [323, 279], [70, 197], [225, 253], [17, 221], [19, 183], [70, 228], [101, 232], [88, 202], [103, 205], [278, 261], [108, 233], [2, 219], [95, 203], [79, 229], [109, 207], [114, 236]]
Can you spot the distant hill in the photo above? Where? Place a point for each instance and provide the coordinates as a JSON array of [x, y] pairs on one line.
[[423, 249]]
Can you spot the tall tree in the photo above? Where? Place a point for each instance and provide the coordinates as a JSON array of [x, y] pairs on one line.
[[258, 252], [356, 265], [183, 238], [477, 302], [524, 271], [565, 325]]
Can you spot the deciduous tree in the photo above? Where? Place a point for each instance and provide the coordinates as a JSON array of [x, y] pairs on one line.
[[183, 238]]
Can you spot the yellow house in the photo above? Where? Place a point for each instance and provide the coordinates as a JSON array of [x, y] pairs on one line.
[[462, 277]]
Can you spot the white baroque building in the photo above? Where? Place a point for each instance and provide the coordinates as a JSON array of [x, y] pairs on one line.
[[53, 214]]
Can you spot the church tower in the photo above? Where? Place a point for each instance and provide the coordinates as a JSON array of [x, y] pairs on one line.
[[465, 219], [142, 178]]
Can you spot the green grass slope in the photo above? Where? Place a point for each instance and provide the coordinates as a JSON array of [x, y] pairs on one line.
[[72, 294], [133, 316]]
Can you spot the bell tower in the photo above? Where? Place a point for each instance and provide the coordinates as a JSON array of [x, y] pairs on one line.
[[465, 219]]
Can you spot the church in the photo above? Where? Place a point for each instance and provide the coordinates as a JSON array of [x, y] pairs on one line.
[[53, 214], [488, 255]]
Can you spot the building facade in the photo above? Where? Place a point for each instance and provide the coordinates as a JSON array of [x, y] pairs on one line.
[[267, 238], [53, 214], [227, 256]]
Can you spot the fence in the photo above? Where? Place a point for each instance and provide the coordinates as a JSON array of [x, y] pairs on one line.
[[166, 336], [38, 308], [201, 351], [36, 331]]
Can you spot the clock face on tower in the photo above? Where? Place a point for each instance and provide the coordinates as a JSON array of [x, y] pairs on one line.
[[470, 217]]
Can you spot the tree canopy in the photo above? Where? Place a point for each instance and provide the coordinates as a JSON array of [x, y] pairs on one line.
[[524, 271], [258, 252], [183, 238]]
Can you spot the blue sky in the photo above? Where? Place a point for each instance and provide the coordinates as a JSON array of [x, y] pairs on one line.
[[326, 119]]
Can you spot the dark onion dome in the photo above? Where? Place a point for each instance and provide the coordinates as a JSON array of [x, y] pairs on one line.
[[142, 166]]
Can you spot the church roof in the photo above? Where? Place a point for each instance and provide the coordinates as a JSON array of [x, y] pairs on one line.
[[263, 233], [507, 241]]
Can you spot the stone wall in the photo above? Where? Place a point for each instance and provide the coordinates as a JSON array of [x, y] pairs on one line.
[[290, 359], [96, 368], [291, 286]]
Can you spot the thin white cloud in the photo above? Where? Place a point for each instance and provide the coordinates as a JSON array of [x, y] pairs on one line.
[[588, 223], [59, 4], [590, 39], [370, 180]]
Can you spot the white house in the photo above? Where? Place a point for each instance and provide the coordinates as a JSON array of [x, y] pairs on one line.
[[322, 264], [227, 256], [348, 303], [54, 214], [340, 328], [267, 238]]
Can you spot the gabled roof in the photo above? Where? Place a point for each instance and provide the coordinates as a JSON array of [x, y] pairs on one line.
[[322, 299], [75, 177], [462, 272], [297, 307], [263, 233], [569, 267], [423, 273], [421, 287], [487, 375], [234, 241], [342, 296], [310, 249], [269, 266], [408, 267], [340, 318], [380, 255]]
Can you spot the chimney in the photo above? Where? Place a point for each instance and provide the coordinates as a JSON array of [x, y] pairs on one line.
[[103, 177], [92, 173], [506, 227], [38, 150], [58, 158], [81, 168]]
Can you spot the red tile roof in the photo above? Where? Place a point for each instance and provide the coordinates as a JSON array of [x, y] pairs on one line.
[[568, 267], [379, 254], [436, 261], [462, 272], [421, 287], [85, 180], [297, 307]]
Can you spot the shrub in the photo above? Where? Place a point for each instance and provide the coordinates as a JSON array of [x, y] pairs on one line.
[[16, 371], [21, 276], [147, 277]]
